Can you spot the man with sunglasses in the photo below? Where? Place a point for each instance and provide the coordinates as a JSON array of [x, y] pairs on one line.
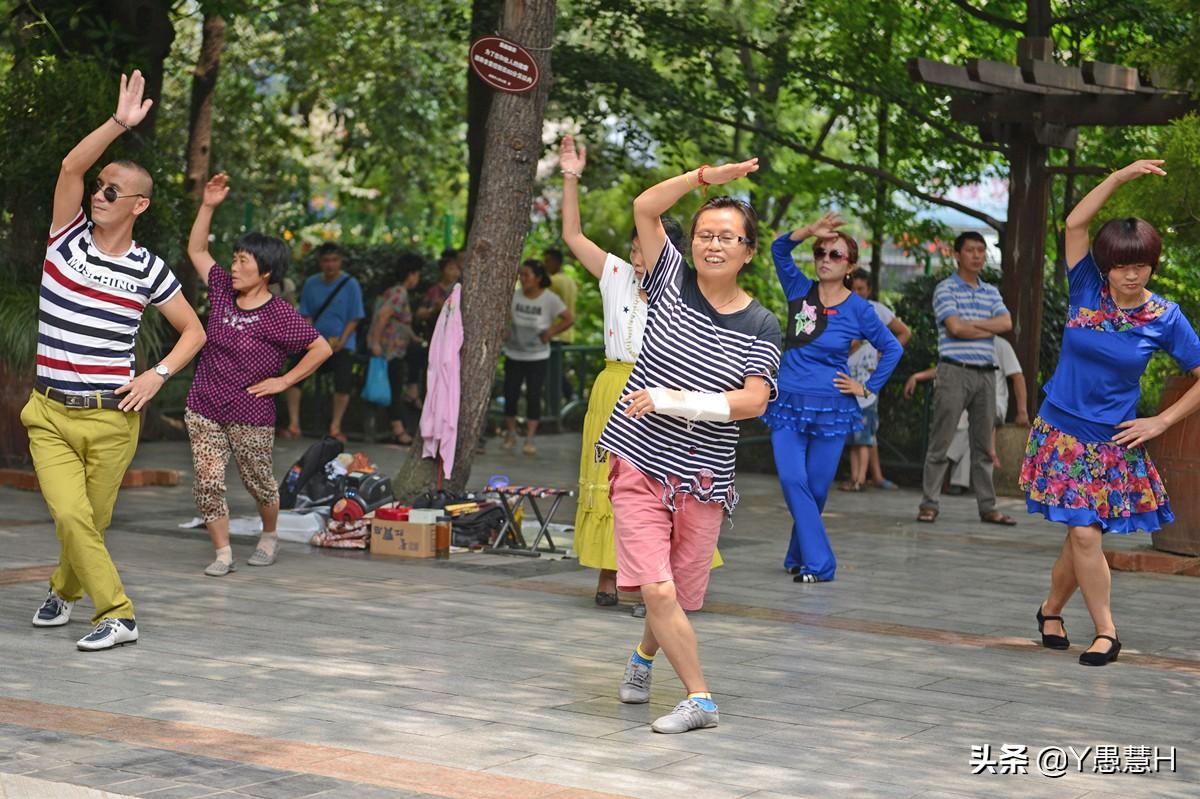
[[83, 415], [970, 314]]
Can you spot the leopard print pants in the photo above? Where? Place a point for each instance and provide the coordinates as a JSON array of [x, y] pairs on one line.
[[212, 444]]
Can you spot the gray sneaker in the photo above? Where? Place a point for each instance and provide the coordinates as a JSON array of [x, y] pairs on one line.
[[635, 685], [261, 557], [219, 568], [687, 715]]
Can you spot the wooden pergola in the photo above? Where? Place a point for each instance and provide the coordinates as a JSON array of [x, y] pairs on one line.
[[1029, 107]]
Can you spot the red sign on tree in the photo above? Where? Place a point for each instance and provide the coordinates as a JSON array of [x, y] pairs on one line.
[[503, 65]]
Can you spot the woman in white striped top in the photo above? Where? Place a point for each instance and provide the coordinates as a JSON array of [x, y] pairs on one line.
[[709, 357]]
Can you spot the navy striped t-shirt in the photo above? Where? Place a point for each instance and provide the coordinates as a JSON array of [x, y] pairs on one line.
[[956, 297], [688, 345], [90, 309]]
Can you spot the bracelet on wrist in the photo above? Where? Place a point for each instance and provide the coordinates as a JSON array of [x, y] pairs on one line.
[[572, 172], [119, 122], [700, 175]]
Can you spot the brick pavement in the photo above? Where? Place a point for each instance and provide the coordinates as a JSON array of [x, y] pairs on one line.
[[331, 674]]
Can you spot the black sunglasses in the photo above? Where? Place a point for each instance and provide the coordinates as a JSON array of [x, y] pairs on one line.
[[834, 255], [109, 191]]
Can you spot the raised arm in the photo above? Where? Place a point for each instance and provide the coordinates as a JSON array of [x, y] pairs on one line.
[[131, 110], [655, 201], [571, 163], [795, 283], [1081, 215], [215, 192]]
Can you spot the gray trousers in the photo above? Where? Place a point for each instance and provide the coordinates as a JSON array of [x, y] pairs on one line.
[[974, 391]]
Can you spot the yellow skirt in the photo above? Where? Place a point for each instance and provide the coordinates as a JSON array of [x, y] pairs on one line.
[[593, 519]]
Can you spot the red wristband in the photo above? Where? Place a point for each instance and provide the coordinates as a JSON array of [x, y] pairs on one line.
[[700, 175]]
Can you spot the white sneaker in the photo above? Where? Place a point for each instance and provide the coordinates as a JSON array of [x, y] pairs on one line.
[[109, 633], [54, 612]]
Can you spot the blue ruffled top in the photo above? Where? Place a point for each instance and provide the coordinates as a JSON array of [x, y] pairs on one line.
[[808, 400]]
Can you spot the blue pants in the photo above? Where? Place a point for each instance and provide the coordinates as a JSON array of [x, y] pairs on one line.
[[806, 466]]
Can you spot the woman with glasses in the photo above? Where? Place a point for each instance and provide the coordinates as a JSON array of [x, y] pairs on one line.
[[817, 405], [709, 358], [624, 302]]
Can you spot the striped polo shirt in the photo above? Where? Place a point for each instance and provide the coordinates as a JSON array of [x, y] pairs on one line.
[[90, 308], [956, 297], [688, 345]]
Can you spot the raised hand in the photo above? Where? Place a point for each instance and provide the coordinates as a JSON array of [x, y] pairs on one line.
[[569, 159], [826, 227], [1146, 166], [131, 108], [725, 173], [215, 190]]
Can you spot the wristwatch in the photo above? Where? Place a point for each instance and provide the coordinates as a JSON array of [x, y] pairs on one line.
[[162, 371], [866, 393]]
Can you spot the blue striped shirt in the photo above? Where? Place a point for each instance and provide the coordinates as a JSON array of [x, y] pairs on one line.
[[689, 345], [956, 297]]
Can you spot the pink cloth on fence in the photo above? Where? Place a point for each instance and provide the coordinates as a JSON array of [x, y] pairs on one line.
[[439, 419]]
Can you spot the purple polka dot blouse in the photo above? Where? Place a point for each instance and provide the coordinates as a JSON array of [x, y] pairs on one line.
[[244, 347]]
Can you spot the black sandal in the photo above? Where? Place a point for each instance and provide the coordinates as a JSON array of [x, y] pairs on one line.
[[1101, 658], [605, 599], [1052, 641]]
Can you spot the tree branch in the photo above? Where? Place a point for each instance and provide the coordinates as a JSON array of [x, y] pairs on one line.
[[991, 19], [862, 169]]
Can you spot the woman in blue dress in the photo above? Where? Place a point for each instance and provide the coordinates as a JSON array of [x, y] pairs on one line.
[[816, 407], [1086, 465]]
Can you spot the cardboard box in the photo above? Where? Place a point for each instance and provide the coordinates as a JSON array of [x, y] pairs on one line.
[[403, 539]]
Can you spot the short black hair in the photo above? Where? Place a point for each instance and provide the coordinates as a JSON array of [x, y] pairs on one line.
[[450, 252], [1126, 241], [749, 217], [270, 253], [671, 227], [329, 248], [539, 271], [407, 263], [134, 166], [860, 274], [965, 236], [553, 252], [448, 257]]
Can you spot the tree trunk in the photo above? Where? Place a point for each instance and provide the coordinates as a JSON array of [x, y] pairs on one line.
[[199, 146], [878, 234], [1024, 252], [495, 239], [485, 19]]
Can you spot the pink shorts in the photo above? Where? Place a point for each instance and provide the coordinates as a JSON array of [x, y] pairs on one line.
[[655, 544]]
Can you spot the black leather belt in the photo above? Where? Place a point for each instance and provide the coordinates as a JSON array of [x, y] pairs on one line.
[[105, 400], [976, 366]]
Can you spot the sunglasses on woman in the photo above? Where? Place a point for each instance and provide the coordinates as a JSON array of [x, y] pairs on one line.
[[109, 192], [834, 255]]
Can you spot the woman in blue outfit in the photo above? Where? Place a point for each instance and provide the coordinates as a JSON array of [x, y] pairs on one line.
[[1086, 465], [816, 407]]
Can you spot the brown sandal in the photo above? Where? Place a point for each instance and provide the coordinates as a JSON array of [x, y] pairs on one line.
[[996, 517], [927, 515]]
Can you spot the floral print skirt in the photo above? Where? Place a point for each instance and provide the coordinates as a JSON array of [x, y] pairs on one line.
[[1083, 483]]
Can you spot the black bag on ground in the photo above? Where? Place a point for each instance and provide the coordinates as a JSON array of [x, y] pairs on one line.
[[310, 464], [478, 528]]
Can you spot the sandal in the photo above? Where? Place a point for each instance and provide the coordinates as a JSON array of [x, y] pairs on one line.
[[887, 485], [606, 599], [996, 517], [850, 485], [404, 440], [928, 515]]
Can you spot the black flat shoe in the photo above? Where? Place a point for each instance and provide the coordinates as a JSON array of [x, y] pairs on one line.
[[606, 599], [1052, 641], [1101, 658], [808, 578]]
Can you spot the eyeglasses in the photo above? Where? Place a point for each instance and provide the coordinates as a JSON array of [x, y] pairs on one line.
[[834, 255], [109, 191], [724, 239]]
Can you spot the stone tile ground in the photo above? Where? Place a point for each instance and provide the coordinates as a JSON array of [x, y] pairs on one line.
[[333, 674]]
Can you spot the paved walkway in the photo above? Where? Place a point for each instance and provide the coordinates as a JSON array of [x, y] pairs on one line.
[[335, 675]]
